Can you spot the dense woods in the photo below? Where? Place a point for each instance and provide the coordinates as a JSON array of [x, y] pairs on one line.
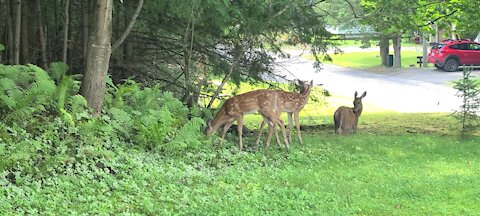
[[175, 43]]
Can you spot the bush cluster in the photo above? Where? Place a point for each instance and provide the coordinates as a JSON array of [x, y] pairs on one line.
[[49, 140]]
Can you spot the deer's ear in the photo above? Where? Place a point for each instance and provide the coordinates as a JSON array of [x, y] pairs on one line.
[[300, 82], [364, 94], [355, 95]]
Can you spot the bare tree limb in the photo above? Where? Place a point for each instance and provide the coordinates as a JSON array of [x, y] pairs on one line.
[[440, 17], [129, 27], [352, 8]]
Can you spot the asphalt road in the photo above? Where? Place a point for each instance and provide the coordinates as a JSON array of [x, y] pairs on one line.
[[402, 90]]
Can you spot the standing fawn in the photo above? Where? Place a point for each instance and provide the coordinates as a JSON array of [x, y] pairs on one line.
[[234, 108], [292, 103], [346, 119]]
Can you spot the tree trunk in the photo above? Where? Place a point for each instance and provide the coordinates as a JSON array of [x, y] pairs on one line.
[[397, 45], [85, 29], [127, 60], [18, 27], [41, 34], [65, 31], [425, 50], [384, 49], [24, 38], [10, 34], [186, 72], [98, 57]]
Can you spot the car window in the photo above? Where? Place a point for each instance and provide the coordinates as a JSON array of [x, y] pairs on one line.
[[474, 46], [465, 46], [455, 46]]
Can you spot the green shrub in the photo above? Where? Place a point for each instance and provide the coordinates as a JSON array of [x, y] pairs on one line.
[[469, 93], [46, 128], [152, 119]]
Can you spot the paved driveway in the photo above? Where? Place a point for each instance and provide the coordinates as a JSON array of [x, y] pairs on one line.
[[403, 90]]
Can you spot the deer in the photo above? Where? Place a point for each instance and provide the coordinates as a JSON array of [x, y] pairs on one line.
[[346, 119], [292, 103], [234, 108]]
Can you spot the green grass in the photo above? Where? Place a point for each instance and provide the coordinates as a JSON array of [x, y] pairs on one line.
[[373, 43], [365, 60], [386, 169], [370, 173], [397, 164]]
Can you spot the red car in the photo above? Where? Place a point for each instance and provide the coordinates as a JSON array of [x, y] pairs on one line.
[[450, 54]]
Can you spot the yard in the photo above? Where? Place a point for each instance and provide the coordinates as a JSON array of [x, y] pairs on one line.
[[397, 164]]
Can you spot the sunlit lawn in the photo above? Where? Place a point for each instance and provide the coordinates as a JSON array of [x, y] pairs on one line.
[[369, 59], [397, 164]]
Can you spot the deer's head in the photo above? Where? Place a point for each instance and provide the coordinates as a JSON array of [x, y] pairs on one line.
[[209, 129], [304, 86], [357, 102]]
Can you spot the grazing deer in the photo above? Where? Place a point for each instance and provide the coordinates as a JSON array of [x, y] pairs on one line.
[[234, 108], [346, 119], [292, 103]]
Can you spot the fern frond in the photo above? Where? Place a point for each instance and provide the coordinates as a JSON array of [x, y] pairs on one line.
[[63, 90], [58, 70], [6, 84], [77, 103], [8, 102]]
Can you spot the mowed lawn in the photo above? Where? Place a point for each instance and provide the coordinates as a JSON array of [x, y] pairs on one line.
[[397, 164], [366, 174], [369, 59]]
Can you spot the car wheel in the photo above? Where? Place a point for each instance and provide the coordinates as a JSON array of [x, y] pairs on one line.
[[451, 65], [438, 66]]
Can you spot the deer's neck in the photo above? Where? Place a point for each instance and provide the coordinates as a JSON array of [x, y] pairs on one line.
[[358, 111], [219, 119], [306, 94]]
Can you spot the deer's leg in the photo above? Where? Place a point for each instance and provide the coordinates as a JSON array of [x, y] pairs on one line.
[[271, 127], [240, 131], [354, 129], [276, 135], [272, 124], [260, 131], [282, 127], [277, 121], [297, 124], [289, 127], [270, 119], [226, 127]]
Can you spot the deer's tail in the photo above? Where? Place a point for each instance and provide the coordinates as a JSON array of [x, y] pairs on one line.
[[340, 124]]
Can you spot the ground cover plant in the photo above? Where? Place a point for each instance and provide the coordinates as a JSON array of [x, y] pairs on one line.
[[146, 155]]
